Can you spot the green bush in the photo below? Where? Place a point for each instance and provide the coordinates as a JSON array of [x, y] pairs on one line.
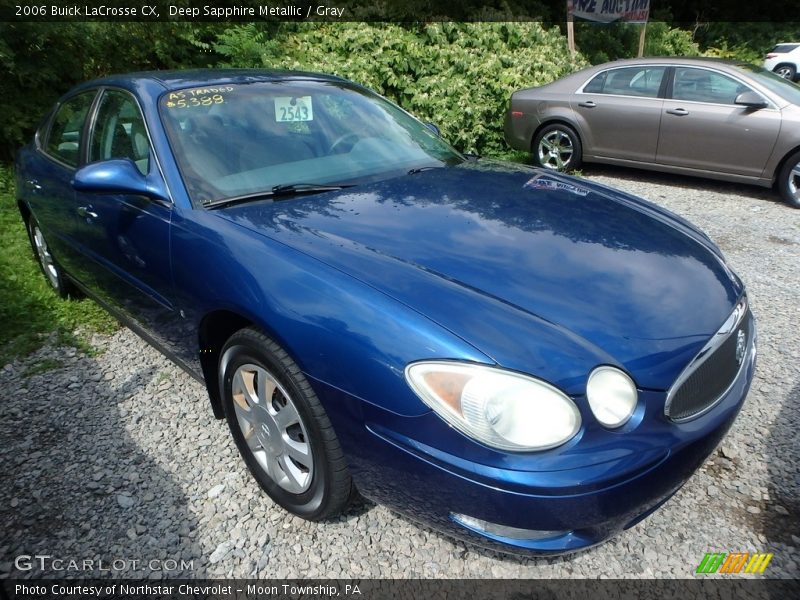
[[744, 40], [457, 75], [601, 42], [663, 40], [737, 52]]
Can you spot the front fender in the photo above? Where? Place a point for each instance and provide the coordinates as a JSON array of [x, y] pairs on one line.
[[338, 330]]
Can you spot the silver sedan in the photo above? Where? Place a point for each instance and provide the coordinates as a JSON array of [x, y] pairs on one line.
[[710, 118]]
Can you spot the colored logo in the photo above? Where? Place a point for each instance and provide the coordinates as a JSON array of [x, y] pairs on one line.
[[735, 562]]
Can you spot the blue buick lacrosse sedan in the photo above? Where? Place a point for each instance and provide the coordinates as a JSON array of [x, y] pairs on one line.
[[519, 358]]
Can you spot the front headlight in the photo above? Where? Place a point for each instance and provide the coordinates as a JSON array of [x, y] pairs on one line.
[[612, 396], [500, 408]]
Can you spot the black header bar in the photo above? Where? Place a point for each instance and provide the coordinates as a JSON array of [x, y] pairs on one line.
[[677, 11]]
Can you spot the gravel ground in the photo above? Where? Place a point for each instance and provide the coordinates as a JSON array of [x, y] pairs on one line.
[[117, 456]]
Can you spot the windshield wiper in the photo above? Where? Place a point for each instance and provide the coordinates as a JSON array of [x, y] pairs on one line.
[[223, 202], [289, 189], [421, 169]]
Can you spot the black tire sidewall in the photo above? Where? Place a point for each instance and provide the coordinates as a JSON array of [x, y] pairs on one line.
[[575, 160], [240, 350], [783, 180]]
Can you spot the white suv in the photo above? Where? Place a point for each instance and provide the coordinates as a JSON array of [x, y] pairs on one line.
[[784, 60]]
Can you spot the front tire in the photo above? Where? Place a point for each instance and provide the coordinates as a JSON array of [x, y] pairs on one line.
[[51, 270], [281, 428], [786, 71], [789, 181], [557, 147]]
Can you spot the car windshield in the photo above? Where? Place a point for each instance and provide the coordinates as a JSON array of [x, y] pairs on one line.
[[783, 87], [239, 139]]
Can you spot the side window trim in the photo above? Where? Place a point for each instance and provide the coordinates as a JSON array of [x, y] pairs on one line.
[[43, 131], [43, 144], [665, 91], [746, 84], [659, 95], [89, 125], [670, 77]]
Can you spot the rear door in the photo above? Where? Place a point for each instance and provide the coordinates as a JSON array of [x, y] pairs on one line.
[[702, 128], [620, 112], [47, 176]]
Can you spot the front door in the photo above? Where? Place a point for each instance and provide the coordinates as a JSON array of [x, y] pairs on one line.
[[126, 238], [702, 128]]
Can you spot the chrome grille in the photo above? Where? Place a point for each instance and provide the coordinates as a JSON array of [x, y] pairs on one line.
[[712, 372]]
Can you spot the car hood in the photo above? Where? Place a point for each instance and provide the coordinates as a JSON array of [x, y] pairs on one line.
[[544, 273]]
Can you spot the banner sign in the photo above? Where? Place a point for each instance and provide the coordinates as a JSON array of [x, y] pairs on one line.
[[608, 11]]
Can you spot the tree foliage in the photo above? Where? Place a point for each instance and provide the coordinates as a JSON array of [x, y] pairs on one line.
[[458, 75], [745, 41], [601, 42], [41, 61]]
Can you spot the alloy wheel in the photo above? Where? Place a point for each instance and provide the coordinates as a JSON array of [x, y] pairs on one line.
[[785, 72], [272, 428], [794, 182], [556, 150]]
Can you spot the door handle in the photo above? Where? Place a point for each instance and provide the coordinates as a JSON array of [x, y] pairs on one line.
[[33, 185], [86, 212], [587, 104], [681, 112]]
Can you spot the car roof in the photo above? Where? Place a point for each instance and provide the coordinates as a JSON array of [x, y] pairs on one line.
[[186, 78], [675, 60]]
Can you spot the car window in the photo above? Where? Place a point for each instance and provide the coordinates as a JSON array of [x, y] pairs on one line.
[[240, 139], [783, 48], [643, 81], [119, 131], [64, 139], [786, 89], [702, 85]]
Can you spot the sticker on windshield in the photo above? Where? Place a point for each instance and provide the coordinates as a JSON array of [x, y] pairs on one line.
[[197, 97], [289, 109]]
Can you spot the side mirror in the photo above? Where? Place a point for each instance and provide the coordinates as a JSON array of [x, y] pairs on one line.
[[119, 176], [434, 129], [751, 99]]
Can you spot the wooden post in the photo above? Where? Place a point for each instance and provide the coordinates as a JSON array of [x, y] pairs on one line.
[[641, 39], [571, 34]]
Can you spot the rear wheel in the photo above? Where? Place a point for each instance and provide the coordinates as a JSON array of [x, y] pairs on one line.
[[281, 429], [50, 268], [789, 180], [557, 147], [786, 71]]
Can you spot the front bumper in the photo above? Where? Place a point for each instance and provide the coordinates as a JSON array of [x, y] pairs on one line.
[[585, 492]]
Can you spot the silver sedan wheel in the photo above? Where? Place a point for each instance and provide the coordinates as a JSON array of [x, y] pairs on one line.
[[785, 72], [48, 264], [272, 428], [555, 150], [794, 182]]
